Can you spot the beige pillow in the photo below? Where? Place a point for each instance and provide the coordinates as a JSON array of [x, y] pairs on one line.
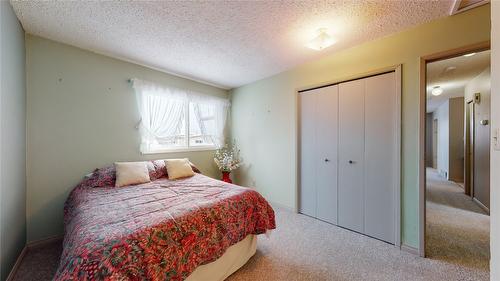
[[178, 168], [128, 173]]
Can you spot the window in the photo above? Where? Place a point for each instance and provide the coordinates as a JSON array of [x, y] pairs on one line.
[[174, 119]]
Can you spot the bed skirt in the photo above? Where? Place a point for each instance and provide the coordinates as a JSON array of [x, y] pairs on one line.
[[235, 257]]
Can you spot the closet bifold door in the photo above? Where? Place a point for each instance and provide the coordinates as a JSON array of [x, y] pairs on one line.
[[308, 120], [318, 153], [326, 159], [380, 148], [351, 155]]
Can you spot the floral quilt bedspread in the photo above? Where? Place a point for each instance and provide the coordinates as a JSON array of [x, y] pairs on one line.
[[161, 230]]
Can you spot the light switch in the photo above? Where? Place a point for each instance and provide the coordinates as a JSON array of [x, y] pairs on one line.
[[496, 139]]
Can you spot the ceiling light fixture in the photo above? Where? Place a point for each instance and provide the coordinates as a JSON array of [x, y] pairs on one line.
[[322, 41], [436, 91], [469, 54], [450, 68]]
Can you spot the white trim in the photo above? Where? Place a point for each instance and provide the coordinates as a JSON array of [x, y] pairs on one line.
[[29, 246], [282, 206], [297, 150], [14, 269], [397, 176], [454, 9], [39, 243], [410, 249], [181, 149], [421, 157]]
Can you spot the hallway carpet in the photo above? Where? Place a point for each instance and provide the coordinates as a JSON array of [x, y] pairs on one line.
[[457, 228]]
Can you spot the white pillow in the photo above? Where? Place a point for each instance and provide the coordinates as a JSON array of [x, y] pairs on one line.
[[178, 168], [128, 173]]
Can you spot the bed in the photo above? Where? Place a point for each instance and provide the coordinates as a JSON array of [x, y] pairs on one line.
[[195, 228]]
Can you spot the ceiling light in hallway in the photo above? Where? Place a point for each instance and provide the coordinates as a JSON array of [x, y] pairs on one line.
[[469, 54], [437, 91], [450, 69]]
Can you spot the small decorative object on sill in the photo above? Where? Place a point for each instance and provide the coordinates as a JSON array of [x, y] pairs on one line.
[[227, 159]]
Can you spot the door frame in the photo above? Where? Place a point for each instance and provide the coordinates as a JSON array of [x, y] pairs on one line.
[[397, 69], [424, 60], [469, 149]]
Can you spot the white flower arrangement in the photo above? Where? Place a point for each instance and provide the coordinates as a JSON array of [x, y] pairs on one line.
[[227, 158]]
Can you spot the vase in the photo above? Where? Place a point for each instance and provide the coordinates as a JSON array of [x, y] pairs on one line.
[[226, 177]]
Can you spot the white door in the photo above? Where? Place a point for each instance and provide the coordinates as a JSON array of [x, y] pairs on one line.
[[349, 150], [351, 155], [380, 158], [326, 158], [308, 159]]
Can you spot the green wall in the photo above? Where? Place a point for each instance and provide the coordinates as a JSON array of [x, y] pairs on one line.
[[82, 115], [264, 113], [12, 139]]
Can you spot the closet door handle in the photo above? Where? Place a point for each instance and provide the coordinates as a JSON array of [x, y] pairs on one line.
[[327, 160], [351, 162]]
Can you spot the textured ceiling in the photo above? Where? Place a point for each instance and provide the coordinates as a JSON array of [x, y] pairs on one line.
[[224, 43], [452, 75]]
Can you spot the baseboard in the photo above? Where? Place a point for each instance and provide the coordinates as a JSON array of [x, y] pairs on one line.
[[29, 246], [457, 181], [38, 243], [13, 271], [481, 205], [281, 206], [410, 249]]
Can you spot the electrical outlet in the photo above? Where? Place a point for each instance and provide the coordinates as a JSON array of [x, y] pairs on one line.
[[496, 139]]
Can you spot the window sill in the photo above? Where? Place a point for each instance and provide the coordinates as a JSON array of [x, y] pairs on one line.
[[183, 149]]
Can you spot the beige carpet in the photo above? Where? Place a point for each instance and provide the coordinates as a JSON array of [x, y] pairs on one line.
[[302, 248], [457, 228]]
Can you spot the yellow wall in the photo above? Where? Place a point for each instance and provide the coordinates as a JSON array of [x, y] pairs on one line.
[[264, 113]]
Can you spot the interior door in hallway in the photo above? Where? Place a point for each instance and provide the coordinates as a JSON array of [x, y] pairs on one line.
[[434, 143], [482, 144], [469, 149]]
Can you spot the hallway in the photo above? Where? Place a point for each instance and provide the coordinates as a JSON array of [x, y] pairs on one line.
[[457, 229]]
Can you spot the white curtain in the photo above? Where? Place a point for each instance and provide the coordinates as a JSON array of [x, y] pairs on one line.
[[164, 112], [211, 115]]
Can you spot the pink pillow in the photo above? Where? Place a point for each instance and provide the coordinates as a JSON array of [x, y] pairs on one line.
[[101, 177], [159, 170]]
